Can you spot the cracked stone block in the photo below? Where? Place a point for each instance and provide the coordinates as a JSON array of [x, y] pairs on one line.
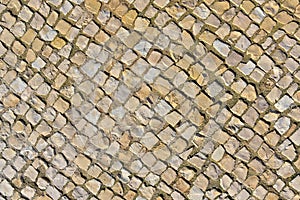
[[18, 85], [282, 125], [284, 103]]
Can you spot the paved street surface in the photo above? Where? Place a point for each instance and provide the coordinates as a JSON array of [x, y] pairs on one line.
[[149, 99]]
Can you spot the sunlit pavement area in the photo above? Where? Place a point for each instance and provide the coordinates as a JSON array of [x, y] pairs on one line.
[[149, 99]]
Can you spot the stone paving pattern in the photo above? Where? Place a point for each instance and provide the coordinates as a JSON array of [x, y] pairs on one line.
[[149, 99]]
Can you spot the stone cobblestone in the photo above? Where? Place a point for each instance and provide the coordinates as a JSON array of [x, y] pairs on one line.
[[149, 99]]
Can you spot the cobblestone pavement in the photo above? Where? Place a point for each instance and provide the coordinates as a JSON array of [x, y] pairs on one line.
[[149, 99]]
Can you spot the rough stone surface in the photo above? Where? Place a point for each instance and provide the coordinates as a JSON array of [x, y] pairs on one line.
[[149, 99]]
